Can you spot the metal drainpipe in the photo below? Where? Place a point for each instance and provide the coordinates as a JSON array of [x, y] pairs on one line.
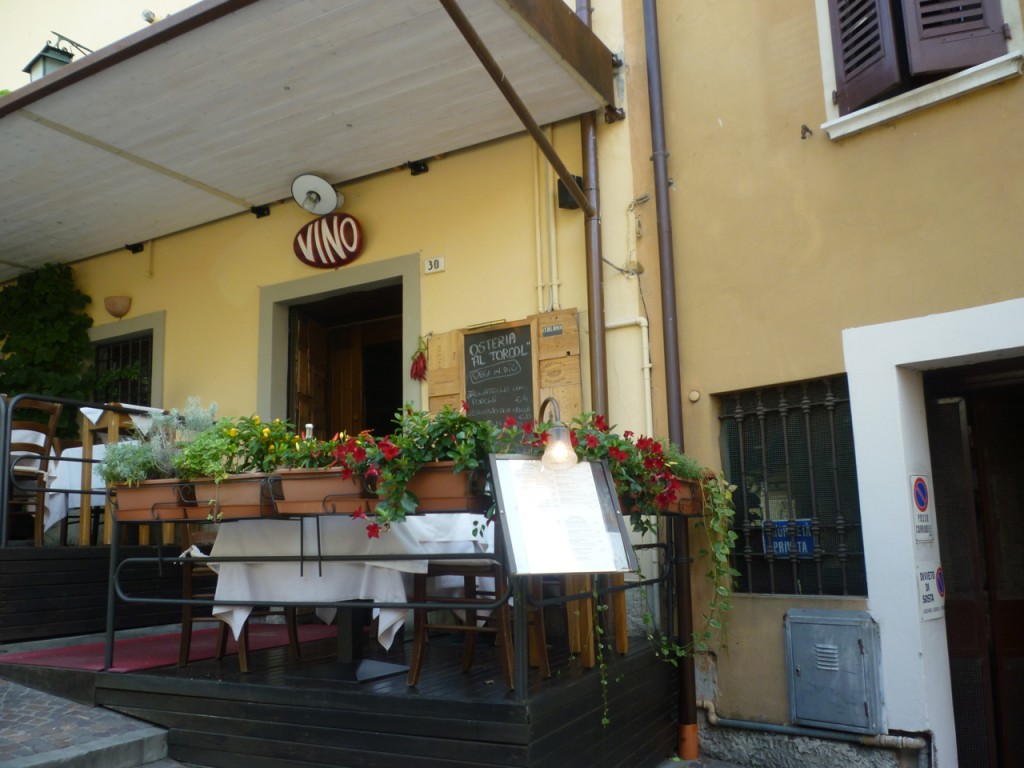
[[688, 748], [592, 238], [884, 740]]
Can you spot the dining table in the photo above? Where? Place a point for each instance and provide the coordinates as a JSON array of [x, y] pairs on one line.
[[305, 575]]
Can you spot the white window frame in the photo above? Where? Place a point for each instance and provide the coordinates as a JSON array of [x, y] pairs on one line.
[[989, 73]]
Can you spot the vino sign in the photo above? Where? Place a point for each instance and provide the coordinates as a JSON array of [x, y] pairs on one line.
[[329, 242]]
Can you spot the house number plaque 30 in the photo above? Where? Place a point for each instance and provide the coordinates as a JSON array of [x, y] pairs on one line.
[[329, 242]]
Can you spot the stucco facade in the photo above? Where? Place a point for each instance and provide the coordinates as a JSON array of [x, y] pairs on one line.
[[797, 256]]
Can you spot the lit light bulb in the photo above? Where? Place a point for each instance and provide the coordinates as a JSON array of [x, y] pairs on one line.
[[559, 453]]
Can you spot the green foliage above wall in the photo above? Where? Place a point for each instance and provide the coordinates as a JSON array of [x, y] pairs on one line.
[[44, 335]]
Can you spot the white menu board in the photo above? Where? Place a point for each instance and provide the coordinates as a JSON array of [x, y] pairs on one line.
[[560, 521]]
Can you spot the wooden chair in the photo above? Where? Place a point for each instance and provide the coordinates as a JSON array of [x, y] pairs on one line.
[[32, 435], [498, 624], [195, 569]]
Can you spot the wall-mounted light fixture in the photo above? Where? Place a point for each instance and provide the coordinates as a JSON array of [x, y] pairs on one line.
[[315, 194], [117, 306], [134, 247], [558, 453]]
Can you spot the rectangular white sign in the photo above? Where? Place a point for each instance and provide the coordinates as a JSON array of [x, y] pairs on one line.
[[931, 591]]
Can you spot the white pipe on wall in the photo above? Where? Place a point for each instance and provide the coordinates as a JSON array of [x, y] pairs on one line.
[[645, 365], [548, 298]]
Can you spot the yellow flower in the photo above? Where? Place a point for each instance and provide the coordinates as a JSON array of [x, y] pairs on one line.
[[256, 420], [232, 432], [270, 448], [266, 431]]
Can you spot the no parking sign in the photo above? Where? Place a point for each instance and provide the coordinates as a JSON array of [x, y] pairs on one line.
[[921, 508]]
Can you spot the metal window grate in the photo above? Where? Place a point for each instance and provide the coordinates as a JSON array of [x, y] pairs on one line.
[[130, 360], [789, 451]]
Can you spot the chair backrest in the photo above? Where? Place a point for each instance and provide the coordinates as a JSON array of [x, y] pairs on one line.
[[32, 434]]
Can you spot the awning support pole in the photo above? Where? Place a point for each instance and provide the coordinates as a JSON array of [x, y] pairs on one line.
[[482, 53]]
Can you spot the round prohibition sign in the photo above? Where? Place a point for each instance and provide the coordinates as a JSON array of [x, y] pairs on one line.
[[920, 494], [940, 582]]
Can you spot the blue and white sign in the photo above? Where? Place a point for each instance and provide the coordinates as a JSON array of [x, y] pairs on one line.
[[779, 538]]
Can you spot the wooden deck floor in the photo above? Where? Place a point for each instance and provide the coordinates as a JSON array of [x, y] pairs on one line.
[[289, 714]]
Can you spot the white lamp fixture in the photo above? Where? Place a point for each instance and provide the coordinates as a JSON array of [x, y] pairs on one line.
[[558, 453], [315, 194]]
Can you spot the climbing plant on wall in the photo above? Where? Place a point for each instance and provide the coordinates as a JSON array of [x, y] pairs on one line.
[[44, 336]]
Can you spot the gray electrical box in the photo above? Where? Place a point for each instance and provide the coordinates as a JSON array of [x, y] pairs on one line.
[[832, 659]]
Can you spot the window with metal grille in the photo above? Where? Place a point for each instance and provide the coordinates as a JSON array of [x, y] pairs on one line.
[[789, 451], [125, 366]]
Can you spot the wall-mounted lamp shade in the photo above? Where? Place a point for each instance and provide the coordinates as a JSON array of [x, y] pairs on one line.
[[117, 306], [314, 194], [558, 453]]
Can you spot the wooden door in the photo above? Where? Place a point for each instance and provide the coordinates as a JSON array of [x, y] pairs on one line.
[[309, 372], [978, 474], [998, 424]]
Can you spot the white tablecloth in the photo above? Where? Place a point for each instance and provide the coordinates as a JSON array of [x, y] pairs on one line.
[[274, 583], [67, 473]]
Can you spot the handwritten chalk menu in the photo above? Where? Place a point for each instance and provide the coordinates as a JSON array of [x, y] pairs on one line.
[[560, 521], [498, 364]]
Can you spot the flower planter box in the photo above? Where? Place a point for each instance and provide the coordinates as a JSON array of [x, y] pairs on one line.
[[319, 492], [440, 489], [691, 499], [235, 497], [152, 500]]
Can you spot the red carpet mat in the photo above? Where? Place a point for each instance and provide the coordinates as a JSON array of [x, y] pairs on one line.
[[137, 653]]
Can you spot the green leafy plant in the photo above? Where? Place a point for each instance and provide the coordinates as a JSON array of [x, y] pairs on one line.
[[419, 439], [151, 453], [236, 446], [44, 340]]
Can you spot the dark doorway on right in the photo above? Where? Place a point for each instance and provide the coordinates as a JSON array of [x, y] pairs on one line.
[[975, 431]]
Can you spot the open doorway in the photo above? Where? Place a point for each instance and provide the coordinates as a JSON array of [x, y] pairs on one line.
[[346, 365], [975, 424]]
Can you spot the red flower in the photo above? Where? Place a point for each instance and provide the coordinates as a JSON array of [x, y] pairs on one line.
[[373, 531], [359, 514], [600, 423], [592, 441], [371, 472], [510, 422], [628, 434], [465, 408], [617, 454], [389, 449]]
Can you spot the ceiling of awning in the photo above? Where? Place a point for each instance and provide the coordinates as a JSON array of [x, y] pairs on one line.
[[217, 109]]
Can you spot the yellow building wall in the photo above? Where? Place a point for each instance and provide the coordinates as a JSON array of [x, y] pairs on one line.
[[781, 241], [490, 211]]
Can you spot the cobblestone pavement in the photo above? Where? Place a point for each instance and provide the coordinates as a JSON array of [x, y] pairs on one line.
[[34, 723]]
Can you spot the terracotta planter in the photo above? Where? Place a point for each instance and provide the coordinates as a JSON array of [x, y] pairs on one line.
[[689, 504], [691, 499], [439, 489], [168, 499], [319, 492], [234, 497]]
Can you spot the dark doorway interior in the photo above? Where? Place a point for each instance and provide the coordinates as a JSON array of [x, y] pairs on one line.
[[975, 425], [346, 361]]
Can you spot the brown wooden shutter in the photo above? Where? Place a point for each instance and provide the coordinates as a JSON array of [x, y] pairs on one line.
[[444, 371], [864, 49], [946, 35], [559, 373]]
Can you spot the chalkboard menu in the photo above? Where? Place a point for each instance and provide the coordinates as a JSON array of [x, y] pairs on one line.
[[498, 363]]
